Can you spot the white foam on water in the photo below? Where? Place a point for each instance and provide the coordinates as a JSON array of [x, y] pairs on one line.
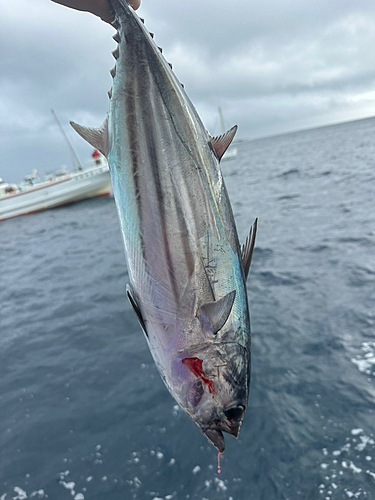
[[355, 432], [39, 493], [21, 494], [350, 494], [135, 458], [355, 469], [364, 441], [346, 467], [366, 360], [68, 486], [137, 482], [176, 411], [220, 485], [74, 486]]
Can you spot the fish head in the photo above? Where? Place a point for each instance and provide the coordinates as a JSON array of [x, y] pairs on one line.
[[214, 391]]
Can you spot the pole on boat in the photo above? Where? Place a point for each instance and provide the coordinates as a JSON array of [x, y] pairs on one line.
[[222, 124], [77, 162]]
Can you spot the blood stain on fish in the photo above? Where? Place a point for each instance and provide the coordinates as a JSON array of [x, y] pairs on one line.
[[195, 366]]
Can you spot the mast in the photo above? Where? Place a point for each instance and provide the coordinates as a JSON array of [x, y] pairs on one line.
[[75, 157], [222, 124]]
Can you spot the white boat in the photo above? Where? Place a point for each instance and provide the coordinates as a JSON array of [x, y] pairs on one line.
[[63, 187], [230, 153]]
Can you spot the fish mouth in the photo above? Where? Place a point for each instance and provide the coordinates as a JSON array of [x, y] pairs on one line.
[[215, 436], [232, 428]]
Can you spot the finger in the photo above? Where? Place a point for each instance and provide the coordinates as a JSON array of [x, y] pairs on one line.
[[100, 8], [134, 3]]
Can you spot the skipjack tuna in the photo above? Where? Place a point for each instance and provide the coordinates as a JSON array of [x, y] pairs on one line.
[[186, 269]]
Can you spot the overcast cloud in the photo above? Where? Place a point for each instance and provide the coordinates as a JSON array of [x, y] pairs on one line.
[[272, 66]]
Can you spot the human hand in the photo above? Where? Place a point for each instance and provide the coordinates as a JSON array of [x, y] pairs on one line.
[[100, 8]]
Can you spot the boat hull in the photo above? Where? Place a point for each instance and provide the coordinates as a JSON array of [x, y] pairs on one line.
[[68, 189]]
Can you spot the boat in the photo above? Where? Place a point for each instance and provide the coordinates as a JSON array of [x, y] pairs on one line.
[[34, 194], [230, 154]]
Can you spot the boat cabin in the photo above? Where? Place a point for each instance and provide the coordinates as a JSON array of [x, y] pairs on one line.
[[6, 188]]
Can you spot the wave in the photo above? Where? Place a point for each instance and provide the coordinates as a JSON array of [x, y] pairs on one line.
[[288, 197], [314, 249], [280, 279], [287, 173]]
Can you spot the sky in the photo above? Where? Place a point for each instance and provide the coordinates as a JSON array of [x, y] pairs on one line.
[[272, 66]]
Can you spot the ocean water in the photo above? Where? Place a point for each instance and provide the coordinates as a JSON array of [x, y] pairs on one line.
[[83, 411]]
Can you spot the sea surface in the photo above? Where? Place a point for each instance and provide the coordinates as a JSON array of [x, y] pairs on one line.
[[84, 413]]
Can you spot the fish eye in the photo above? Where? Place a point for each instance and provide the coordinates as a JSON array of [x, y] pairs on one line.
[[234, 412]]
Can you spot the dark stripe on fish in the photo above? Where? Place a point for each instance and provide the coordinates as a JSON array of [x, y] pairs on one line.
[[151, 144], [188, 254]]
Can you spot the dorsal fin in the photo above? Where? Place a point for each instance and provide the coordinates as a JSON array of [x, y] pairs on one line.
[[136, 309], [116, 53], [97, 137], [248, 248], [222, 142], [116, 37], [215, 314]]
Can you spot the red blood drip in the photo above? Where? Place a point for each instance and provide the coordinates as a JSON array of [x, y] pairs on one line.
[[218, 462], [195, 366]]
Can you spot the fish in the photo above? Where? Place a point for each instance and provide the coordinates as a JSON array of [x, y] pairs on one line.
[[187, 270]]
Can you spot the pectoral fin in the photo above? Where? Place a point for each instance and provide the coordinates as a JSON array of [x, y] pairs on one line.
[[136, 309], [215, 314], [248, 248], [97, 137]]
